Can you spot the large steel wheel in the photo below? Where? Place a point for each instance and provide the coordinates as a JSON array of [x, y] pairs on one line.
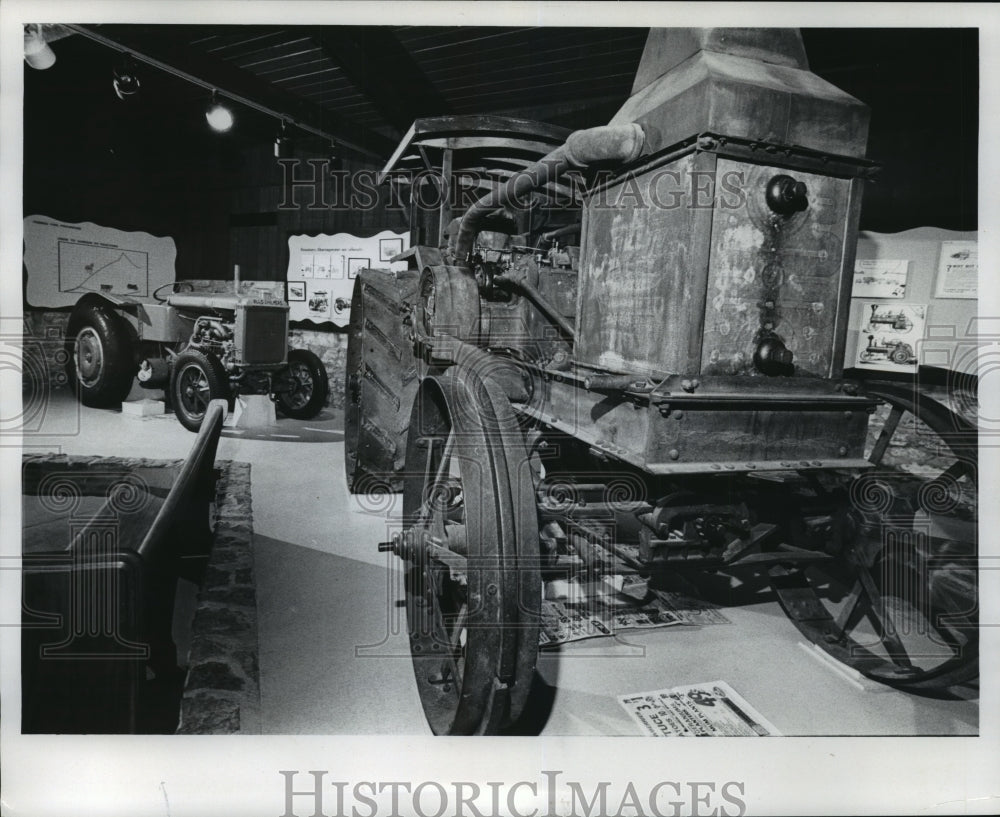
[[471, 543], [901, 604], [381, 381]]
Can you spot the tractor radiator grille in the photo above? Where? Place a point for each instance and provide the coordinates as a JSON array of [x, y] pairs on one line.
[[264, 335]]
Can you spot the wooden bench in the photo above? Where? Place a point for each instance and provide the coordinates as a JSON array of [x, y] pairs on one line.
[[96, 641]]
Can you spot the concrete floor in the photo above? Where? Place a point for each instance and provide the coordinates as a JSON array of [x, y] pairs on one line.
[[333, 649]]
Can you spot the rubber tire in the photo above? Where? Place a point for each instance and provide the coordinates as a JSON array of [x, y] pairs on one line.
[[215, 377], [114, 379], [320, 386], [381, 381]]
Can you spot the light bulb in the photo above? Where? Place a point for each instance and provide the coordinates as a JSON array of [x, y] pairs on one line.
[[37, 52], [219, 117]]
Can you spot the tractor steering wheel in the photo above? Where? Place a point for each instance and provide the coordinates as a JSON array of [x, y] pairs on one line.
[[189, 288]]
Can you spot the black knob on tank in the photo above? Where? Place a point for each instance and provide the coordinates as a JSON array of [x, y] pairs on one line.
[[772, 357], [785, 195]]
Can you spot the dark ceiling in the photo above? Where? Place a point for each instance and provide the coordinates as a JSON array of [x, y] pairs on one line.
[[363, 85]]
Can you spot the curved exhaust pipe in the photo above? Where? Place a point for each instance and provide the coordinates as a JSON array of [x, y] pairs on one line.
[[621, 143]]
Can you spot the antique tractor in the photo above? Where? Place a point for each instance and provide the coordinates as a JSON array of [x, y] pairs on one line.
[[319, 302], [198, 346], [898, 322], [627, 356], [897, 351]]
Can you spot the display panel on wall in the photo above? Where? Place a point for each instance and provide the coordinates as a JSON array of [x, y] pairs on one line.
[[322, 269], [958, 270], [880, 278], [890, 334], [927, 277], [65, 261]]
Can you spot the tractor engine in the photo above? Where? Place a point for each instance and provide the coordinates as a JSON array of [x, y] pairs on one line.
[[215, 335], [510, 318], [240, 330]]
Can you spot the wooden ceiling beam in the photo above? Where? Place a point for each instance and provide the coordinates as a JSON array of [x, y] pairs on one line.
[[384, 71]]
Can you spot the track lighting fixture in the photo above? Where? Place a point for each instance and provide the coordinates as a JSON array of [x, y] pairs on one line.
[[125, 82], [336, 161], [284, 147], [219, 117], [37, 53]]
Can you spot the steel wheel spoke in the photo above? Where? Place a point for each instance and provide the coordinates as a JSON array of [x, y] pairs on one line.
[[460, 621], [876, 610], [427, 509], [891, 423], [955, 471], [852, 611], [949, 635], [454, 654]]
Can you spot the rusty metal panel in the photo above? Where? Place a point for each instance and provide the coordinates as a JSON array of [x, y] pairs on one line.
[[667, 48], [757, 88], [607, 423], [643, 270], [755, 436], [844, 301], [739, 424], [773, 274]]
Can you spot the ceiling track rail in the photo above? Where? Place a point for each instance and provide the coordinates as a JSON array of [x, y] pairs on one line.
[[287, 119]]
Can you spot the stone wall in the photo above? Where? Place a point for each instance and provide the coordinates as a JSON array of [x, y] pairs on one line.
[[44, 355], [331, 347], [222, 690]]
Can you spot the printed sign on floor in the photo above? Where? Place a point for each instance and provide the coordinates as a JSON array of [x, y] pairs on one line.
[[574, 611], [712, 709]]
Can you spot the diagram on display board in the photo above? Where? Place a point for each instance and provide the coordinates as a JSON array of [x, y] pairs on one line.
[[890, 334], [880, 278], [322, 269], [65, 261], [89, 268]]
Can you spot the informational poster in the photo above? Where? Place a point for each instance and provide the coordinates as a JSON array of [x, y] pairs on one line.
[[958, 270], [65, 261], [574, 611], [322, 269], [889, 336], [712, 709], [880, 278]]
